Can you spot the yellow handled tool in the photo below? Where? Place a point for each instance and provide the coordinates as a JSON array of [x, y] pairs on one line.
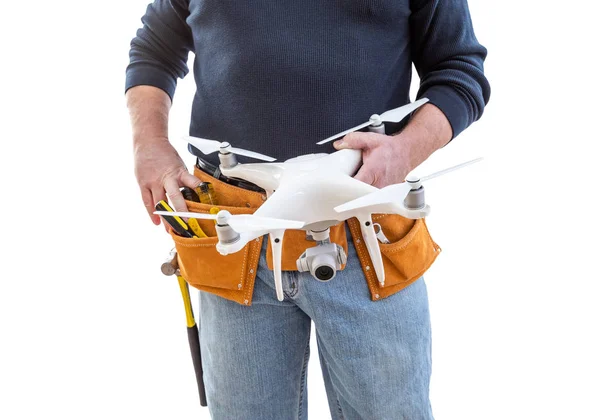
[[206, 193], [189, 230], [214, 210], [192, 328]]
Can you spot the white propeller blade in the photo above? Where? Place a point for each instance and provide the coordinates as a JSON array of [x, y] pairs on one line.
[[207, 147], [343, 133], [390, 194], [395, 193], [394, 115], [240, 222], [398, 114], [453, 168]]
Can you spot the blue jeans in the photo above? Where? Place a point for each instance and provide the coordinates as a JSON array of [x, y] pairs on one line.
[[375, 356]]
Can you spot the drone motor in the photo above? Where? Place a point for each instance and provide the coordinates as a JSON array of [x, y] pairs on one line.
[[377, 125], [226, 234], [415, 199], [226, 157]]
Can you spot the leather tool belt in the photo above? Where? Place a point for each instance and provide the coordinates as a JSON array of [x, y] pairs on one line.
[[215, 172], [409, 254]]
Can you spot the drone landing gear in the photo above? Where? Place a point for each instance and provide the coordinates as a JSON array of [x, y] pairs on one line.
[[276, 238], [370, 237], [323, 260]]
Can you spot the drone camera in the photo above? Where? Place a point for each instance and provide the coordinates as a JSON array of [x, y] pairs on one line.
[[322, 261]]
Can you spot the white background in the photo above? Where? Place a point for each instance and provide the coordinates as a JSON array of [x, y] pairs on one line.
[[90, 329]]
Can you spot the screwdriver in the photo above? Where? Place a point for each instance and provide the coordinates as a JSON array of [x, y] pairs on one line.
[[191, 195], [177, 223]]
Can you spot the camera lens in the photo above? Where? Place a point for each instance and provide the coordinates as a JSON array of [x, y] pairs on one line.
[[324, 272]]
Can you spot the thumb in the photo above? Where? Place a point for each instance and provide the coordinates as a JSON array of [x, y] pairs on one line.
[[359, 140]]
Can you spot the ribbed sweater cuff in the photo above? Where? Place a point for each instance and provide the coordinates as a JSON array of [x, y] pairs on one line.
[[450, 102], [143, 74]]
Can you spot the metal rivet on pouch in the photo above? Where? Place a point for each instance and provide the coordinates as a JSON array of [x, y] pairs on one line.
[[358, 241], [257, 239], [251, 270], [240, 286], [367, 268], [246, 302], [376, 296]]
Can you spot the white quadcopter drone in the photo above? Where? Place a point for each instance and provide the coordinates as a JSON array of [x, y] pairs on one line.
[[313, 192]]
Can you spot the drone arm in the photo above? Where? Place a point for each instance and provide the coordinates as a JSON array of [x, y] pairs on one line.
[[276, 238]]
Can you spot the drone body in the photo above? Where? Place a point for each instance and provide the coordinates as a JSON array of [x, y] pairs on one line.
[[313, 193]]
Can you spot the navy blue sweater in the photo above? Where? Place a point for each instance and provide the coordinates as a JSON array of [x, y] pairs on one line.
[[276, 76]]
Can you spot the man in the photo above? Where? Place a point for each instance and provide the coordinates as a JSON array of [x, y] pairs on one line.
[[276, 77]]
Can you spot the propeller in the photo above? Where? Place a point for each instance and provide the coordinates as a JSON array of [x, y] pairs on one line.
[[239, 222], [452, 168], [389, 194], [207, 147], [396, 192], [394, 115]]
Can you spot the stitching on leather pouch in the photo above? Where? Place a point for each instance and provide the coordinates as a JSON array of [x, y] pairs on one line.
[[359, 250], [242, 210], [194, 245], [250, 287], [243, 266]]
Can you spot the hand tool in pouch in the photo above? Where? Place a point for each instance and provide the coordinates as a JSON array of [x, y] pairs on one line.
[[170, 267], [189, 194], [190, 229], [206, 193]]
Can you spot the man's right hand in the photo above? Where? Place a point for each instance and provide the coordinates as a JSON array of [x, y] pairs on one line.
[[160, 172], [159, 169]]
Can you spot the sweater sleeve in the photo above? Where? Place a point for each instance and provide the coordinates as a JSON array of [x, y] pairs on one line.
[[159, 52], [449, 60]]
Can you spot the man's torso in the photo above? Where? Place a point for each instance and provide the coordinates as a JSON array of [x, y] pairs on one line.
[[277, 77]]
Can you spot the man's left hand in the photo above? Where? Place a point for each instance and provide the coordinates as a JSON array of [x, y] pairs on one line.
[[386, 159]]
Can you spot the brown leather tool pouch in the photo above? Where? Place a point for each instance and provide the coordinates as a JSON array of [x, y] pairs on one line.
[[409, 254], [229, 276]]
